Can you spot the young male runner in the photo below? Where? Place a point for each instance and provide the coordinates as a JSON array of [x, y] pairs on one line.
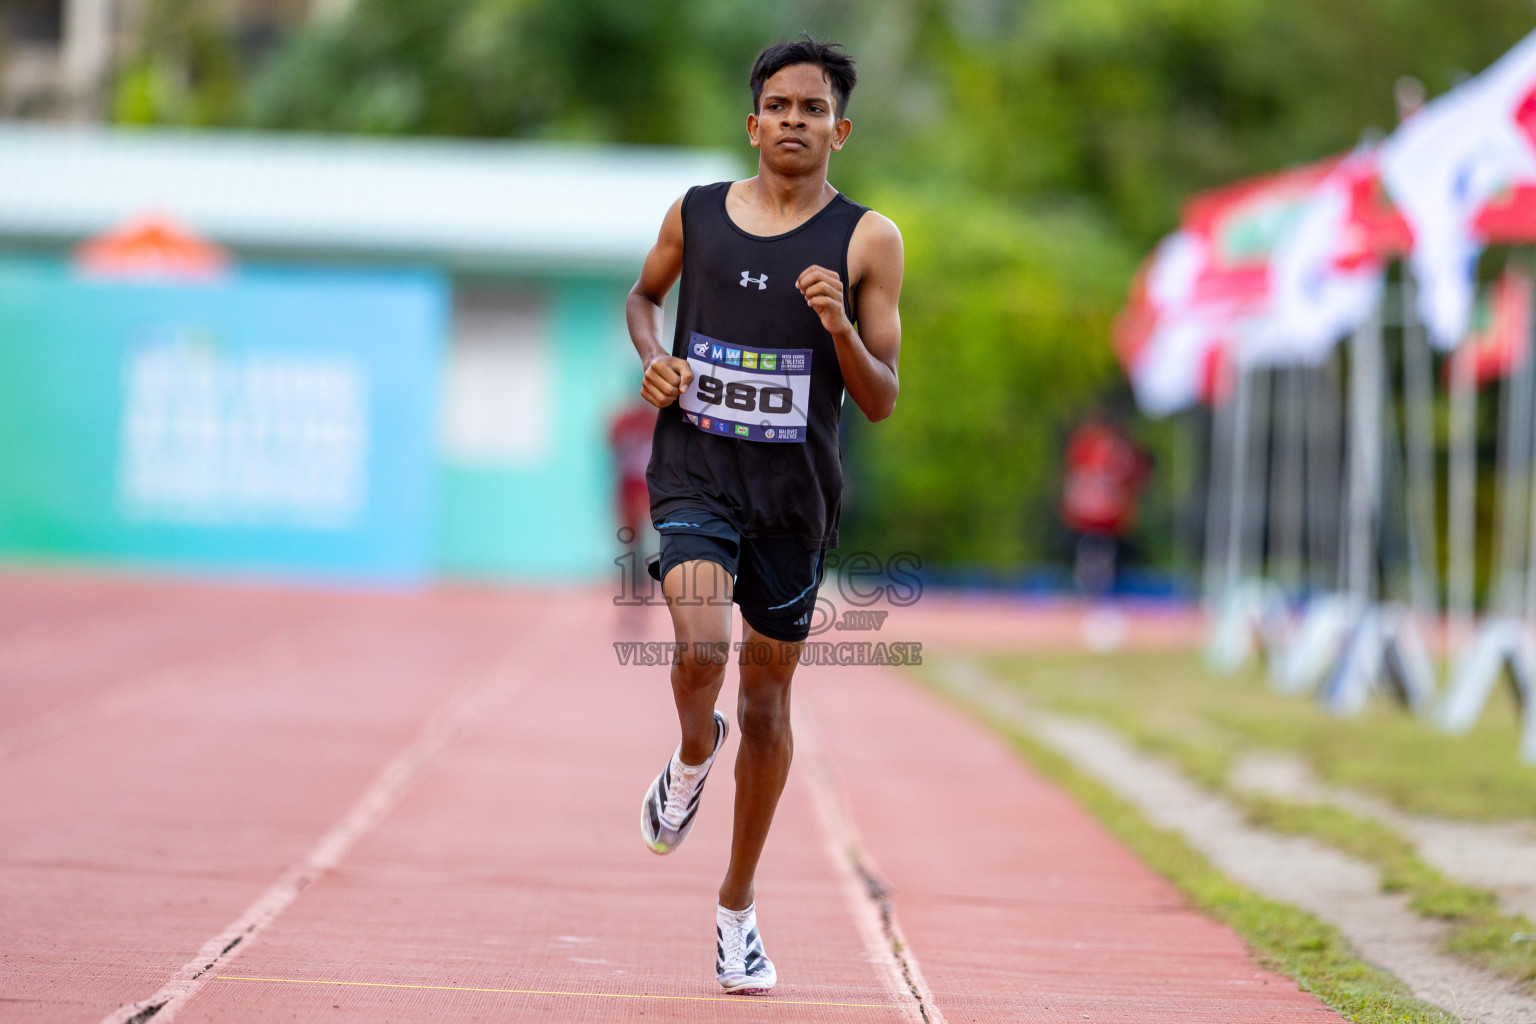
[[788, 298]]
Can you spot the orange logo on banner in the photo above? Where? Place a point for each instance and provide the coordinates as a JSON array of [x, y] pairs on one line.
[[152, 246]]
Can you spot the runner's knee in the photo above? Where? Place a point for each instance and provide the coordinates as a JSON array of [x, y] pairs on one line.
[[700, 661], [764, 718]]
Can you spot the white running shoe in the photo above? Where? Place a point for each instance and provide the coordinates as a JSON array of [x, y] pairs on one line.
[[666, 816], [740, 962]]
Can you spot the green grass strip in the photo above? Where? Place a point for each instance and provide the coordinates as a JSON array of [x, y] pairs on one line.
[[1478, 932], [1282, 938], [1173, 702], [1172, 708]]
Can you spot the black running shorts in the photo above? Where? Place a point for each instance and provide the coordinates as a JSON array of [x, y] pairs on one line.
[[776, 578]]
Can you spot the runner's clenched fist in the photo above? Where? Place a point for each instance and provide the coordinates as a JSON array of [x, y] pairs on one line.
[[823, 291], [666, 377]]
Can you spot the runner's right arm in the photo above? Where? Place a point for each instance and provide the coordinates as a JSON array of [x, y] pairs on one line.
[[666, 376]]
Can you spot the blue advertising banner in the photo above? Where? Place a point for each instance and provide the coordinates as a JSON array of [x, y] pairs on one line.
[[276, 421]]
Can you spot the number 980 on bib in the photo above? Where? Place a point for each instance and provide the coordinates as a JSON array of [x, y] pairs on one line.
[[744, 397], [753, 394]]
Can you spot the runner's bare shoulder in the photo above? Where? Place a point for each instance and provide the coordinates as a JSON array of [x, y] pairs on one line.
[[875, 246]]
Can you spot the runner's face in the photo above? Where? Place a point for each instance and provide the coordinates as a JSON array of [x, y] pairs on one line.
[[796, 125]]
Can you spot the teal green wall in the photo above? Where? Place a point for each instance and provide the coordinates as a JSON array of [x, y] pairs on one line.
[[76, 415], [552, 521]]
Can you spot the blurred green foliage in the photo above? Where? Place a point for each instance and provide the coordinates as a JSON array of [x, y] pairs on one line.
[[1031, 152], [1005, 318], [184, 71]]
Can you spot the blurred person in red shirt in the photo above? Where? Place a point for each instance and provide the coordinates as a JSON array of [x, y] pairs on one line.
[[629, 437], [1105, 473]]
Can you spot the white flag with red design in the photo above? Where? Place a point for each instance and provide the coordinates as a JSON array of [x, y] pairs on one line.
[[1172, 344], [1267, 272], [1442, 167], [1327, 269]]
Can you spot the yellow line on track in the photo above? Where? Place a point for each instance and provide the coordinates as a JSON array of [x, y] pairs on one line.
[[544, 992]]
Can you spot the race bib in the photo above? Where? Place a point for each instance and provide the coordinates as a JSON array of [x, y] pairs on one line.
[[754, 394]]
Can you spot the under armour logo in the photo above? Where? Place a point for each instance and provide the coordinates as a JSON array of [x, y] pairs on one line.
[[760, 280]]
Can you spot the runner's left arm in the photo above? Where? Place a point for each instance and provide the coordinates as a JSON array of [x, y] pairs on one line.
[[867, 354]]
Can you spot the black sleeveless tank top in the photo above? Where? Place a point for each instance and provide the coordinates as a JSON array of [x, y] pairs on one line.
[[755, 437]]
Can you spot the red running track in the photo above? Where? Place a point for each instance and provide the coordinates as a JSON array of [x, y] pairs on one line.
[[399, 808]]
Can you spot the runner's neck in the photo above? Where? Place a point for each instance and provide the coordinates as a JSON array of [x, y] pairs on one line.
[[771, 204]]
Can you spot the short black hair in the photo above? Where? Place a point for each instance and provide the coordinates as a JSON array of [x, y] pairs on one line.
[[833, 60]]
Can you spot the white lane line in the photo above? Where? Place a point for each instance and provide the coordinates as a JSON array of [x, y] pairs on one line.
[[376, 802], [868, 897]]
